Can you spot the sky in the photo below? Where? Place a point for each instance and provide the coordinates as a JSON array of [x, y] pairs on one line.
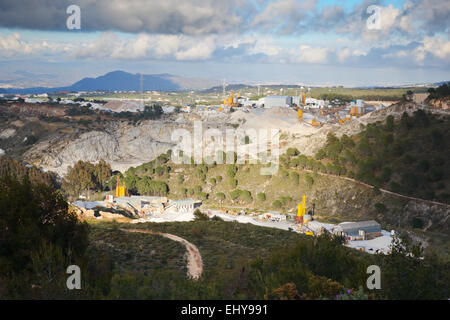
[[312, 42]]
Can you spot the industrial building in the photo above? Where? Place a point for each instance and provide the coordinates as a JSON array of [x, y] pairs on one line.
[[277, 101], [184, 205], [361, 230], [142, 205]]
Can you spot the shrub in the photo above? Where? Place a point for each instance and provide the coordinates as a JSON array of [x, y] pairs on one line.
[[200, 216], [380, 207], [417, 223], [231, 170], [234, 194], [291, 152], [246, 195], [294, 178], [277, 204], [309, 180], [202, 195], [261, 196], [233, 182], [220, 195]]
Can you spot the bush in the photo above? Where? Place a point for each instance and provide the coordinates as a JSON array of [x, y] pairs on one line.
[[261, 196], [200, 216], [234, 194], [220, 195], [309, 180], [277, 204], [294, 178], [246, 195], [380, 207], [233, 182], [292, 152], [202, 195], [231, 170], [417, 223]]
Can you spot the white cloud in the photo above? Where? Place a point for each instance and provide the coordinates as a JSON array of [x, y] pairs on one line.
[[345, 53], [13, 46], [437, 47], [308, 54]]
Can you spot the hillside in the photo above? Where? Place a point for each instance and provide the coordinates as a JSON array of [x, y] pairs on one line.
[[243, 261], [409, 156]]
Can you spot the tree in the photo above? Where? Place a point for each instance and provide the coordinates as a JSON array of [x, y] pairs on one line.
[[246, 196], [234, 194], [261, 196], [309, 180], [80, 178], [200, 216], [292, 152], [389, 123], [380, 208], [231, 170], [33, 215], [102, 172], [220, 195], [294, 178], [233, 182], [277, 204]]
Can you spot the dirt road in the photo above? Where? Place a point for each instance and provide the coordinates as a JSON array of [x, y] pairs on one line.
[[195, 263]]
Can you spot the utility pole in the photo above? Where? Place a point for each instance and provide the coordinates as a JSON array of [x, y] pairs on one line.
[[141, 80], [223, 89]]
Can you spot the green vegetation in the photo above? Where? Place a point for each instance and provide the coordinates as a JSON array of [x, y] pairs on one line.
[[243, 261], [39, 240], [440, 92], [85, 176], [409, 156]]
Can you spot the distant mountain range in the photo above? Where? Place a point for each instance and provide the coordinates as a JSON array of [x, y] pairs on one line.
[[123, 81]]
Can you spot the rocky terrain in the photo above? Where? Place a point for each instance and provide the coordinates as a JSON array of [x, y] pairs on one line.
[[124, 144]]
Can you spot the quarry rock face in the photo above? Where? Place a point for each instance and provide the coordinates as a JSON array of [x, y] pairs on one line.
[[121, 145]]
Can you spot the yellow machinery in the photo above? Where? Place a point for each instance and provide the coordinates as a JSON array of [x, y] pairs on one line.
[[300, 114], [354, 111], [301, 209], [303, 98], [315, 123], [120, 189], [231, 100]]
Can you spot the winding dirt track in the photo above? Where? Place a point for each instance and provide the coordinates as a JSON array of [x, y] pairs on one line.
[[195, 263]]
